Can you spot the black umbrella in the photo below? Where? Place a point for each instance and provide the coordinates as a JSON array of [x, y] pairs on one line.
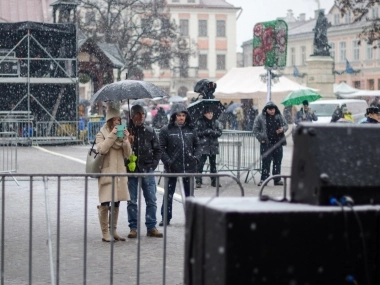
[[196, 109], [127, 89]]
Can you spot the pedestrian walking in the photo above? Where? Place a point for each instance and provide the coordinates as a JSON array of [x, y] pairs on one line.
[[373, 116], [208, 130], [145, 146], [114, 149], [180, 152], [269, 128]]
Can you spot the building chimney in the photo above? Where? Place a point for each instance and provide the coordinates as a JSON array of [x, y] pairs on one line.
[[302, 17]]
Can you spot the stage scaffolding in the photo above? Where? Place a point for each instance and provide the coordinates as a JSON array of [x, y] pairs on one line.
[[38, 76]]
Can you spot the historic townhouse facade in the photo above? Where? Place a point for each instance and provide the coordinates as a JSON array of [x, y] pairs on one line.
[[342, 36], [211, 26]]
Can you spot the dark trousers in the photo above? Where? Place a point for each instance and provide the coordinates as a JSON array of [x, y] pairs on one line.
[[276, 156], [201, 164], [171, 191]]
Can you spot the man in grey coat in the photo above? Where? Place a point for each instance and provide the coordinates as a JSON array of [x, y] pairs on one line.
[[269, 129]]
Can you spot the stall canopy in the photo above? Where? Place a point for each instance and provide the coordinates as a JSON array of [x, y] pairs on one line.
[[246, 83], [344, 89]]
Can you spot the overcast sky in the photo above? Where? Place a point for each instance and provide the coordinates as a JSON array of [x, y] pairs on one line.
[[255, 11]]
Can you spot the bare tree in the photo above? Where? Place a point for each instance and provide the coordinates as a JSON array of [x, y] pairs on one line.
[[143, 30], [360, 9]]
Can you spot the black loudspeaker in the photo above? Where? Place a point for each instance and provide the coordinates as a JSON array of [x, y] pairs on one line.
[[241, 241], [335, 160]]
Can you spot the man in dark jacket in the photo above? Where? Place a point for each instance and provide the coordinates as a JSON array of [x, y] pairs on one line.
[[373, 116], [145, 146], [180, 151], [269, 128], [208, 131], [305, 114]]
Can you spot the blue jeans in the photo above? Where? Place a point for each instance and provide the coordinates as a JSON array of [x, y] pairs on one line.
[[171, 190], [149, 190]]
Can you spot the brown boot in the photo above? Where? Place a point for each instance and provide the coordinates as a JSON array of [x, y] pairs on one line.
[[132, 234], [115, 217], [103, 219], [154, 233]]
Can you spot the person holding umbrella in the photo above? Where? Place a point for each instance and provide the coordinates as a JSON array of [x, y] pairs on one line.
[[114, 149], [145, 146], [305, 114], [208, 130]]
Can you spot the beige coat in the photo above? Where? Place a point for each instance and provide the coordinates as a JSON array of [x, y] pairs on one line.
[[112, 148]]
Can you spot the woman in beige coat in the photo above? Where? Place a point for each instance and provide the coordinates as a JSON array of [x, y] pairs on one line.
[[114, 149]]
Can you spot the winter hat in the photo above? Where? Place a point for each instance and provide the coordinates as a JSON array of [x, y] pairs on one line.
[[136, 109], [112, 113], [373, 110]]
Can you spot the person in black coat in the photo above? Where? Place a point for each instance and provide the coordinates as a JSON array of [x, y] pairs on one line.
[[180, 151], [146, 147], [208, 131]]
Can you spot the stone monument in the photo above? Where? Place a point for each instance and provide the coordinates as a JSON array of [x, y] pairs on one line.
[[320, 64]]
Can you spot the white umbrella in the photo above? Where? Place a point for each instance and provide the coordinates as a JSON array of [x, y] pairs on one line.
[[177, 99]]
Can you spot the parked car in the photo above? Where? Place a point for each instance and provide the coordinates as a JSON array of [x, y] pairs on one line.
[[325, 108]]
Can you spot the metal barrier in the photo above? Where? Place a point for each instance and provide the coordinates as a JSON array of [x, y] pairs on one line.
[[92, 129], [8, 150], [65, 251], [239, 151], [20, 122]]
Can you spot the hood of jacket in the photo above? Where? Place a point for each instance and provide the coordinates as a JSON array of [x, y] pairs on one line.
[[179, 108], [270, 104]]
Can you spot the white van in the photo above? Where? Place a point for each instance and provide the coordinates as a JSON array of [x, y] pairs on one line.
[[325, 108]]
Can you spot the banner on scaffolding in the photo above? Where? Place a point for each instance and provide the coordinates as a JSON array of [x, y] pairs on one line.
[[270, 41]]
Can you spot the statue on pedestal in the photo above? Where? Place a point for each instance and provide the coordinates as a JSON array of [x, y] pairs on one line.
[[321, 45]]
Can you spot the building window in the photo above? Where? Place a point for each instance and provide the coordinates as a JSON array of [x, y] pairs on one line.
[[303, 55], [184, 67], [202, 28], [371, 84], [184, 28], [336, 19], [175, 1], [190, 1], [342, 51], [375, 13], [292, 56], [357, 84], [369, 52], [347, 17], [90, 18], [332, 51], [202, 61], [356, 50], [378, 84], [221, 62], [220, 28]]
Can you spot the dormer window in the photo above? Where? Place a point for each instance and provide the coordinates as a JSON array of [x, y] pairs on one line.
[[336, 19]]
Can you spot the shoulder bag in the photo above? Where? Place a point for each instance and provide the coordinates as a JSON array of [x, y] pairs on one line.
[[94, 160]]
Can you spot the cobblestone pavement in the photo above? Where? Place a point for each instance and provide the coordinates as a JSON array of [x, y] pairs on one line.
[[73, 245]]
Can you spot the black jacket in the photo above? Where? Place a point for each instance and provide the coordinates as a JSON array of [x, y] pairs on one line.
[[208, 133], [179, 144], [146, 147]]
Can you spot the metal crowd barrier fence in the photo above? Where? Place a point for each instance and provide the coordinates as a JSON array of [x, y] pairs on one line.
[[66, 250], [8, 151], [239, 151]]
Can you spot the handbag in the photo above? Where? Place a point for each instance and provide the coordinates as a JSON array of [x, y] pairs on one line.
[[94, 160]]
